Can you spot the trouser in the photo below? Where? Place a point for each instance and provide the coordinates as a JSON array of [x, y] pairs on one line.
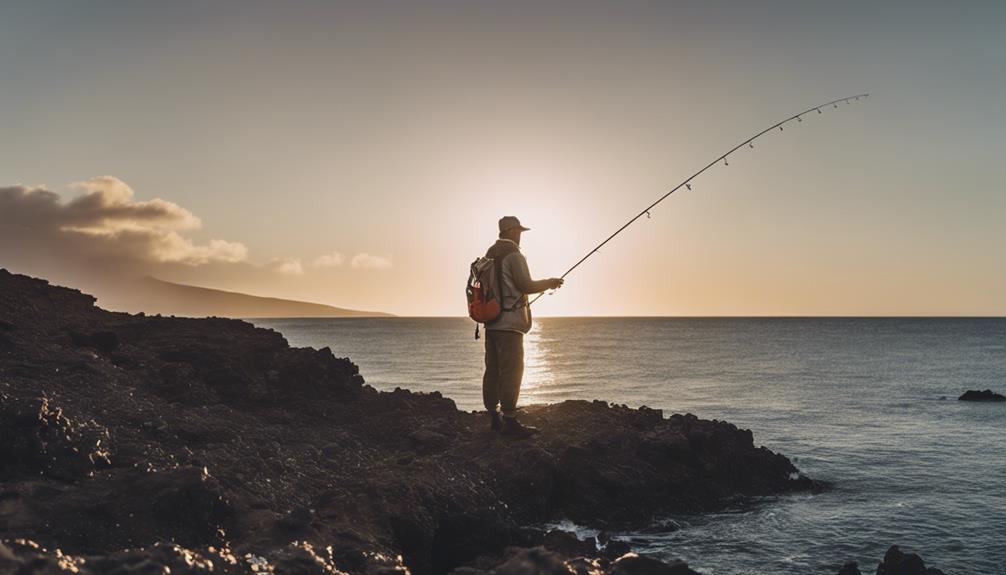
[[504, 370]]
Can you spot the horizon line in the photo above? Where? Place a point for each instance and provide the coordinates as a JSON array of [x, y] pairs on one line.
[[400, 316]]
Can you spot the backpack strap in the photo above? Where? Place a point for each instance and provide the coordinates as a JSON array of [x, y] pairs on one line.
[[500, 284], [500, 253]]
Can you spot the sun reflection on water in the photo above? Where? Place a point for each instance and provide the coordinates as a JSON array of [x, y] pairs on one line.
[[538, 375]]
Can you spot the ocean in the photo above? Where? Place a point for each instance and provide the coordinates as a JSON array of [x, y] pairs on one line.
[[869, 405]]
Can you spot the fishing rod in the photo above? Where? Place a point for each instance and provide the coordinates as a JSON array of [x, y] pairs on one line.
[[688, 182]]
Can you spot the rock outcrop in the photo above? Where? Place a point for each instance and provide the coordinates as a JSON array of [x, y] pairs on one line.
[[147, 442], [897, 562], [987, 395]]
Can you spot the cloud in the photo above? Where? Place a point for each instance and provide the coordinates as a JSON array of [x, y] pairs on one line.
[[290, 267], [332, 260], [105, 222], [101, 238], [107, 204], [365, 260]]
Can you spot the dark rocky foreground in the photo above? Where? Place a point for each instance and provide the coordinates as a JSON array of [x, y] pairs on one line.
[[132, 444], [987, 395]]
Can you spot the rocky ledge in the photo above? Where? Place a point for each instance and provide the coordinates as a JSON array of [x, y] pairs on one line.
[[987, 395], [141, 444]]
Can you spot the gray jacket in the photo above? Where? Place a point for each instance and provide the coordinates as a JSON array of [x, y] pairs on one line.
[[517, 283]]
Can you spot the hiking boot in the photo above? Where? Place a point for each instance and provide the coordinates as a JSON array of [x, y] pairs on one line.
[[496, 423], [513, 428]]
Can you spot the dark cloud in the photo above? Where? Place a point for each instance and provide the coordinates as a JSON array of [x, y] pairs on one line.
[[103, 238], [104, 223]]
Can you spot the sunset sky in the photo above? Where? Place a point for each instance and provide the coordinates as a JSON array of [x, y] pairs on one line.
[[359, 154]]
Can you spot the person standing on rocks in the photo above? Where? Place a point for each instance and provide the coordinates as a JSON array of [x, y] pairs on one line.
[[505, 335]]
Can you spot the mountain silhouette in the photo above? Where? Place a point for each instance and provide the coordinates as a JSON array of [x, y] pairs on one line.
[[154, 296]]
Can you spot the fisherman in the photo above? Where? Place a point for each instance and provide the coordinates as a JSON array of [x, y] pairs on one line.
[[505, 335]]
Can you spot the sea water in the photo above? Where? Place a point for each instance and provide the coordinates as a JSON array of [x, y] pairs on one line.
[[869, 405]]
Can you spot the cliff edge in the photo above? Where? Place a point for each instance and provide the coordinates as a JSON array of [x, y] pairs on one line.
[[132, 439]]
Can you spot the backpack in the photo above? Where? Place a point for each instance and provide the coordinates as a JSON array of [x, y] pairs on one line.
[[484, 289]]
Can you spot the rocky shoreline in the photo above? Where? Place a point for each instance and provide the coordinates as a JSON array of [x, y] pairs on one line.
[[132, 443]]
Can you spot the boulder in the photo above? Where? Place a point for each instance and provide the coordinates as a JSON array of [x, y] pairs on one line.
[[633, 564], [897, 562], [569, 545], [850, 568], [534, 561], [987, 395]]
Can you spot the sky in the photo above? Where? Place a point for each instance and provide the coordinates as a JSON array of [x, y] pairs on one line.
[[360, 154]]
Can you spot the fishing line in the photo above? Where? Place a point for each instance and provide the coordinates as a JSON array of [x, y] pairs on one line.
[[688, 182]]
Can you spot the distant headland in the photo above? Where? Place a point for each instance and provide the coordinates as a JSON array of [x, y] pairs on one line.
[[151, 295]]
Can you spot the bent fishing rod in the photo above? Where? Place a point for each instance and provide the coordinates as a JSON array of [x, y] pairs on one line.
[[688, 182]]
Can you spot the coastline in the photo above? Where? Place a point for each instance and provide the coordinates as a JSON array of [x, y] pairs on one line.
[[211, 438]]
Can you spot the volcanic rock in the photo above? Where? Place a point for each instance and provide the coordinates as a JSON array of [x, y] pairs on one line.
[[568, 544], [987, 395], [145, 441], [850, 568], [633, 564], [897, 562], [534, 561]]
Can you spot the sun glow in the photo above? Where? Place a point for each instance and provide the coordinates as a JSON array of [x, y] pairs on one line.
[[538, 376]]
